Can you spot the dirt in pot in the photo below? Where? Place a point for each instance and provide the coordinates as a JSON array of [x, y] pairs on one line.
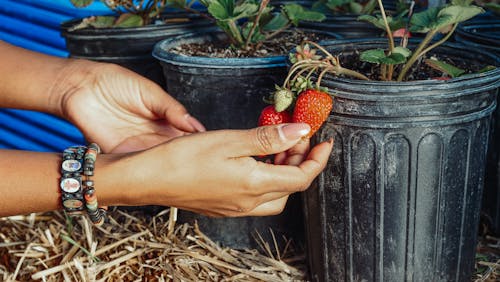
[[276, 46], [419, 71]]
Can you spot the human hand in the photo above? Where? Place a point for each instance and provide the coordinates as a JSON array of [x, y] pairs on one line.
[[213, 173], [122, 111]]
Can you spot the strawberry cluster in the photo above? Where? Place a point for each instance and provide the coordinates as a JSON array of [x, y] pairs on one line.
[[298, 100]]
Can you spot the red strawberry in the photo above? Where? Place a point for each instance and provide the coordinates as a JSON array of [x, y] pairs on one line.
[[270, 116], [401, 33], [312, 107]]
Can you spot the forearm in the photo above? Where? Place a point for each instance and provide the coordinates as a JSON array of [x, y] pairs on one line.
[[34, 81], [30, 182]]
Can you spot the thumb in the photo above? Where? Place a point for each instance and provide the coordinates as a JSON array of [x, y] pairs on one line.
[[272, 139]]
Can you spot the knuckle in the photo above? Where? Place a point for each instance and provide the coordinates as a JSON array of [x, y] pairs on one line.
[[265, 138], [306, 183], [246, 206]]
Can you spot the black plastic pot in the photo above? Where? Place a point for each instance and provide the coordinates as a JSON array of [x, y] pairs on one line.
[[485, 35], [129, 47], [480, 34], [346, 25], [400, 198], [228, 94]]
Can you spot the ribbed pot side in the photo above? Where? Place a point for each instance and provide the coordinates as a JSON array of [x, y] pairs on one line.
[[400, 197], [228, 93]]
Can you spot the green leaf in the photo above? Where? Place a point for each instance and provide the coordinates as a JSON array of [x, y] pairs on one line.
[[376, 21], [129, 20], [179, 3], [102, 21], [424, 21], [277, 22], [355, 8], [495, 7], [81, 3], [297, 13], [225, 10], [245, 10], [393, 59], [403, 51], [457, 14], [397, 23], [205, 3], [320, 7], [462, 2], [378, 56], [487, 68], [444, 67], [374, 56], [334, 4], [369, 7], [220, 10], [256, 36]]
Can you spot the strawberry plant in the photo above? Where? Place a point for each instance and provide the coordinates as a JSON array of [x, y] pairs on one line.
[[250, 22], [432, 22], [132, 13], [307, 60], [346, 6], [396, 61]]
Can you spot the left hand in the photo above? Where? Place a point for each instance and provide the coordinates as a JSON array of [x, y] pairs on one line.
[[123, 111]]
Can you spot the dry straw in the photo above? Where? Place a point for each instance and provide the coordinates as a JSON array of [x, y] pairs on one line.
[[131, 247]]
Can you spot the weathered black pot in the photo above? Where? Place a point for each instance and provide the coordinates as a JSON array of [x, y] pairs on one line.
[[346, 25], [400, 198], [228, 94], [484, 34], [129, 47]]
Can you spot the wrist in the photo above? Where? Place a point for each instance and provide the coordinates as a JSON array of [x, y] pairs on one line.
[[111, 180], [74, 75]]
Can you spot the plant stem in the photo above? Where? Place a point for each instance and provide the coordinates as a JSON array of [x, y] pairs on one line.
[[389, 37], [263, 5], [416, 54], [273, 34], [328, 54], [441, 41], [387, 28], [348, 72], [320, 77], [235, 32], [196, 12], [311, 69], [293, 69]]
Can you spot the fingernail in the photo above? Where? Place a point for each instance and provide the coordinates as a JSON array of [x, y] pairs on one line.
[[195, 123], [294, 131]]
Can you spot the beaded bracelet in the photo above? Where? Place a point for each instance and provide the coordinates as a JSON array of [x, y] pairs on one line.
[[78, 193], [71, 180], [96, 214]]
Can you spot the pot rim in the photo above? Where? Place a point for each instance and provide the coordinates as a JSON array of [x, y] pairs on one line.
[[492, 76], [123, 31], [162, 53]]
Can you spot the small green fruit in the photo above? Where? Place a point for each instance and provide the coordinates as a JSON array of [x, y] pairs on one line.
[[283, 98]]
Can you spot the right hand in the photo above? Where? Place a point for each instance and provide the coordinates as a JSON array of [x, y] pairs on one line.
[[213, 173]]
